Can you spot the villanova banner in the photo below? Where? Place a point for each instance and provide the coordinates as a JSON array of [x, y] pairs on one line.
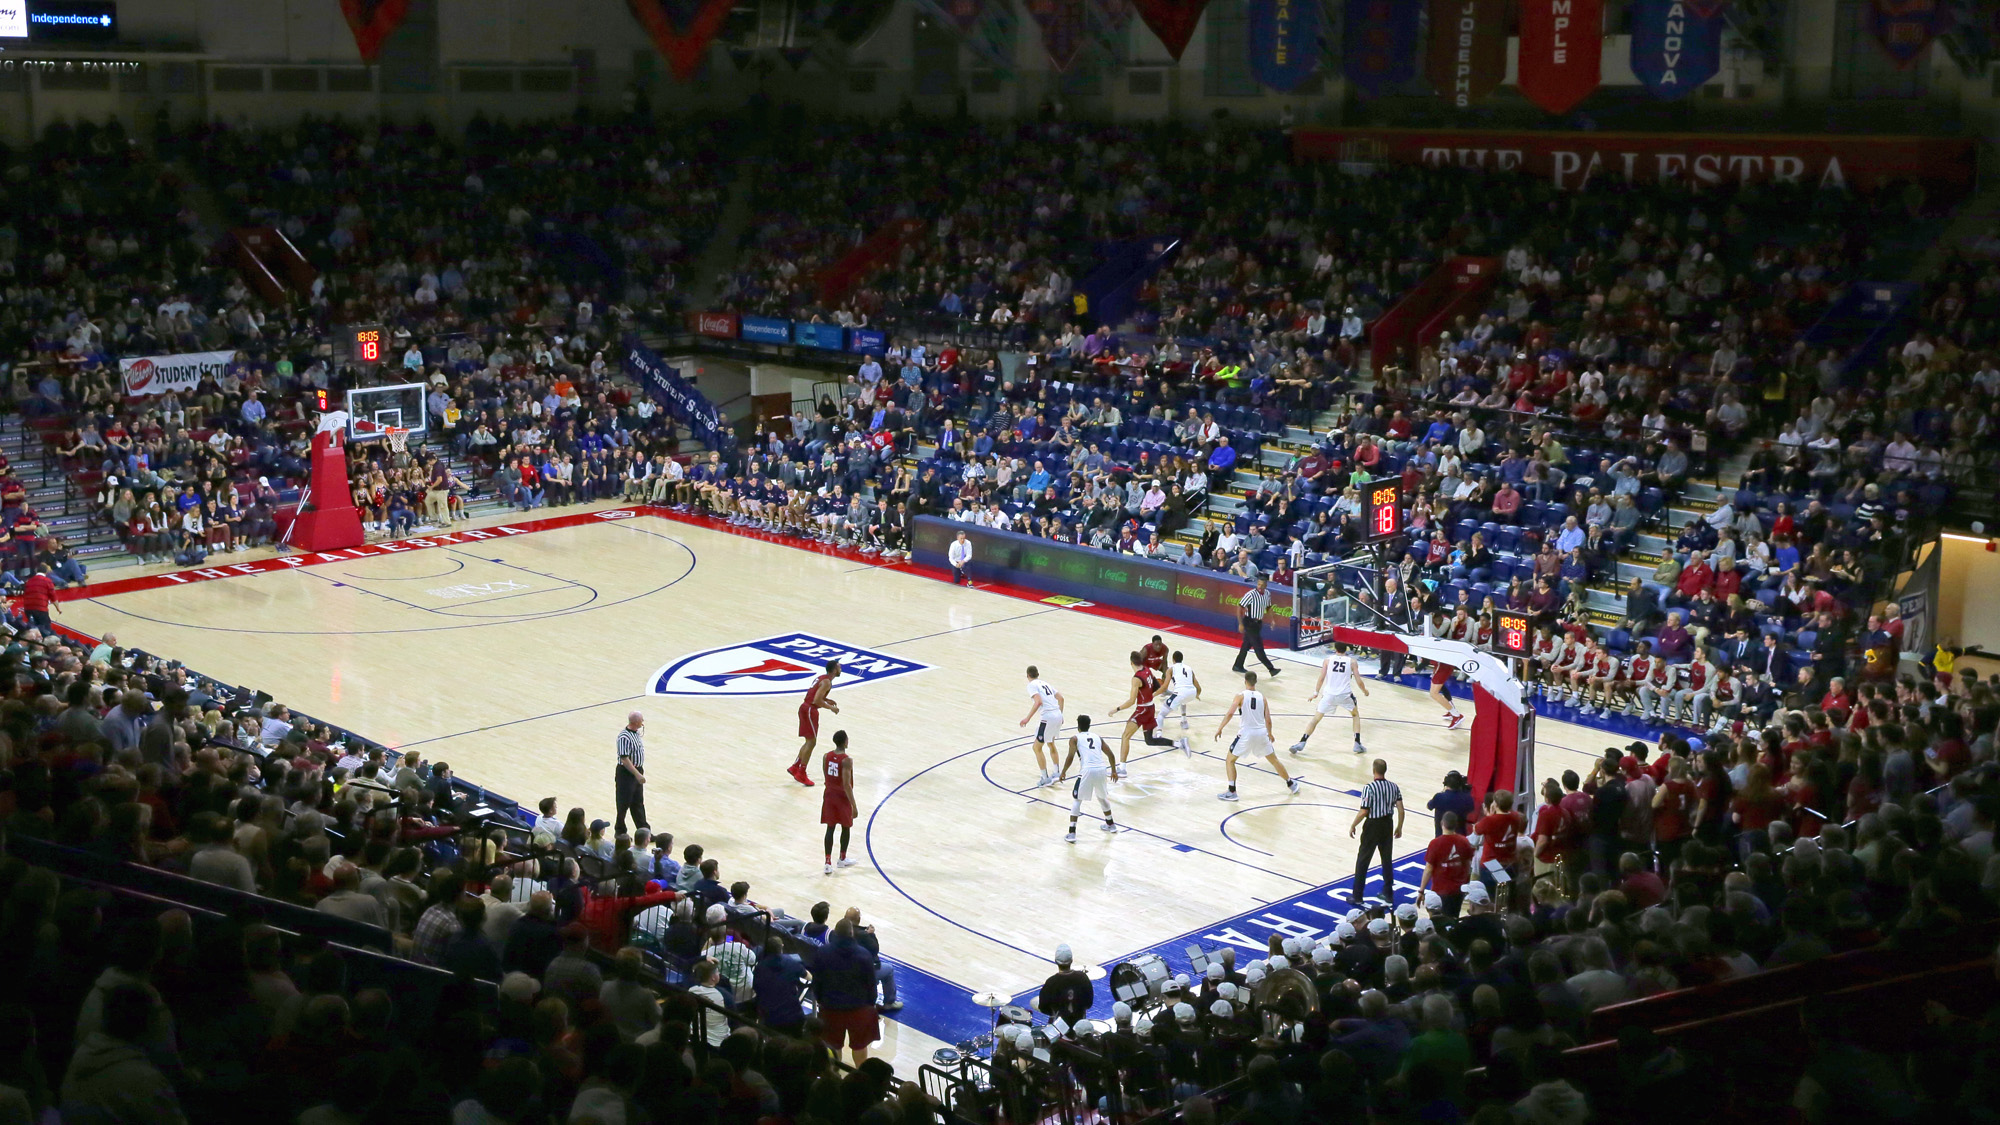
[[780, 665], [1284, 42], [679, 396], [1562, 52], [1676, 45], [681, 29], [1379, 46], [1467, 59], [1905, 27]]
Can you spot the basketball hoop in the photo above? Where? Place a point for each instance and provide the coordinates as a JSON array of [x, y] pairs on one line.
[[399, 439]]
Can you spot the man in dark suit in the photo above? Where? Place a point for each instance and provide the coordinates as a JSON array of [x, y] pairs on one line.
[[1738, 649], [1395, 608]]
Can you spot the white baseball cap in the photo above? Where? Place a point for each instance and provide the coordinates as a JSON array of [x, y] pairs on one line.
[[1379, 927], [1143, 1025], [1214, 970], [1254, 975], [1121, 1011], [1344, 932], [1063, 956], [1323, 955], [1425, 926], [1407, 912], [1227, 991], [1184, 1012], [1357, 916], [1433, 902], [1221, 1009], [1291, 947], [1476, 892]]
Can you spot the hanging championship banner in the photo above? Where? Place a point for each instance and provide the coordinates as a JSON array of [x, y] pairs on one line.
[[681, 30], [1467, 59], [1676, 45], [1562, 52], [1173, 21], [1107, 20], [371, 21], [1284, 42], [1379, 45], [1905, 27], [985, 27], [1061, 22]]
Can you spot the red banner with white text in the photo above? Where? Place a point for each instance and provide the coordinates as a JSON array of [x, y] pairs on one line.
[[1575, 160], [1562, 52]]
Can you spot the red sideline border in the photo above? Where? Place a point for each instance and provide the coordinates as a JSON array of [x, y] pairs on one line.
[[302, 559]]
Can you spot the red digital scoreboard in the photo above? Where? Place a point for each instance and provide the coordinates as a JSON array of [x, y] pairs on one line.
[[1383, 506], [366, 342], [1512, 634]]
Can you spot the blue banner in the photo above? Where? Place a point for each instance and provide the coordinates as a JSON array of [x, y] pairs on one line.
[[1284, 42], [829, 336], [677, 395], [1379, 44], [767, 330], [1675, 46], [873, 341]]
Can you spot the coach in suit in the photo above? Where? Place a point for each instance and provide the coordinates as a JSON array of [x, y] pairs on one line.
[[1395, 610]]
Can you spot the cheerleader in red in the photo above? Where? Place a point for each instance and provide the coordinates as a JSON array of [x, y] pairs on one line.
[[836, 803]]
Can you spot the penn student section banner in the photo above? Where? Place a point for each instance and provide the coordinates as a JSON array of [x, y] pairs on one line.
[[1284, 42], [1467, 56], [1904, 28], [681, 398], [1580, 160], [681, 29], [170, 374], [1171, 21], [371, 21], [1676, 45], [1561, 53], [1379, 45]]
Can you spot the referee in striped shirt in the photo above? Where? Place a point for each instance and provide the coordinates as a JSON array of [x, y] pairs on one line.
[[1372, 820], [631, 777]]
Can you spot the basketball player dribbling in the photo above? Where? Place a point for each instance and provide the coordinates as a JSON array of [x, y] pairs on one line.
[[836, 802], [818, 697], [1440, 676], [1253, 735], [1338, 677], [1155, 653], [1145, 682], [1097, 766], [1183, 688], [1045, 706]]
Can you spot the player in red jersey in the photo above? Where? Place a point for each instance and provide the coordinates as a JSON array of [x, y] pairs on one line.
[[1155, 654], [1145, 682], [836, 802], [818, 696], [1441, 674]]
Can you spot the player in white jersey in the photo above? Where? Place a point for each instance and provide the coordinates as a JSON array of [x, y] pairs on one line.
[[1183, 688], [1253, 735], [1097, 767], [1338, 677], [1045, 708]]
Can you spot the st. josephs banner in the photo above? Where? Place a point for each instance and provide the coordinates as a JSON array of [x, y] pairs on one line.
[[1284, 42], [1562, 52], [1379, 44], [1676, 45], [1467, 56]]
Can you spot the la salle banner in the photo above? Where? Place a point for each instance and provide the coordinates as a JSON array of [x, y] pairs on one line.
[[1676, 45], [1576, 160], [1562, 52], [1467, 56], [1284, 42]]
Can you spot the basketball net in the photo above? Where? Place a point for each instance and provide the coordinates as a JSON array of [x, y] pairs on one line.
[[399, 440]]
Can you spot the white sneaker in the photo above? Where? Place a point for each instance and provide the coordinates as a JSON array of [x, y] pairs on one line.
[[845, 862], [1107, 826], [1069, 837], [1358, 748], [1295, 782], [1227, 796], [1299, 747], [1042, 780], [829, 869], [1186, 750]]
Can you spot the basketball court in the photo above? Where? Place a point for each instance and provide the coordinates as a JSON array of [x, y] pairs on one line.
[[514, 650]]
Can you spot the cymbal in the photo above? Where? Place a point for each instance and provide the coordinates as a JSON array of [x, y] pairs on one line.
[[991, 999]]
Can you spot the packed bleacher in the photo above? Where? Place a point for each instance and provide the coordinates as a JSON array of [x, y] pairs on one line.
[[394, 943]]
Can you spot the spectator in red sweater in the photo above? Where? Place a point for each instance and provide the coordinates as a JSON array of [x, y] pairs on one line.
[[37, 595], [608, 910]]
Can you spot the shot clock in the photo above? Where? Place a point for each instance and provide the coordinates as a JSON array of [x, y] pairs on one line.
[[1512, 635], [365, 342], [1384, 507]]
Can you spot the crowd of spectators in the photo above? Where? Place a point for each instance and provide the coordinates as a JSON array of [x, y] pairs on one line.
[[550, 939]]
